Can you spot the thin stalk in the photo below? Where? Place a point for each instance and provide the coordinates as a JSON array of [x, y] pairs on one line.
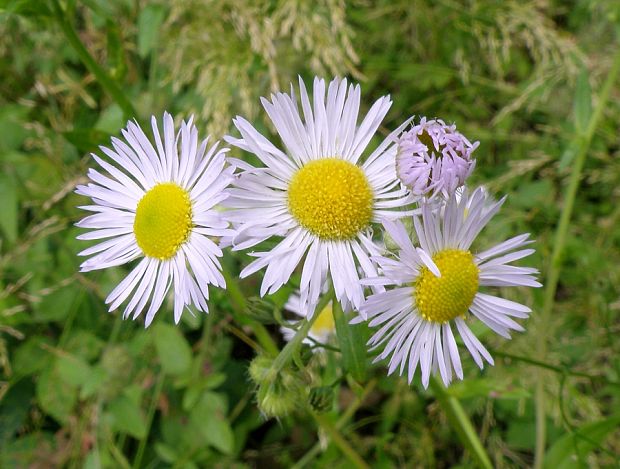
[[149, 420], [239, 304], [108, 84], [461, 423], [548, 366], [340, 442], [342, 421], [561, 232], [287, 352]]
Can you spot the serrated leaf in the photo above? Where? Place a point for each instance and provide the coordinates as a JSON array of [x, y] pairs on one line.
[[582, 106], [352, 340], [571, 449], [149, 21], [173, 350]]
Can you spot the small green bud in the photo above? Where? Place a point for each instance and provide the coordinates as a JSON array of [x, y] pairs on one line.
[[276, 400], [277, 393], [258, 369], [321, 398]]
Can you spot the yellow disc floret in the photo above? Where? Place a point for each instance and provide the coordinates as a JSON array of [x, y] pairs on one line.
[[441, 299], [331, 198], [163, 220], [324, 324]]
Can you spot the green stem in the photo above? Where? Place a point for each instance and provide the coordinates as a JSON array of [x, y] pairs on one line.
[[239, 304], [553, 275], [108, 84], [548, 366], [149, 420], [342, 421], [339, 441], [287, 352], [461, 423]]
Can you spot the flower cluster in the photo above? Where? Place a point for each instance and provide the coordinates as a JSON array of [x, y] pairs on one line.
[[324, 195]]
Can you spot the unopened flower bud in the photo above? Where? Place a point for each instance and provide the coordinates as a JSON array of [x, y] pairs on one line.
[[434, 158]]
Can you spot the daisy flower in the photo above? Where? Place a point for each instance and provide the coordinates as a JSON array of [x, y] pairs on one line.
[[157, 203], [321, 331], [434, 158], [316, 193], [437, 286]]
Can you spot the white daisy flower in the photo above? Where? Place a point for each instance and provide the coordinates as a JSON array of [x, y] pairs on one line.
[[316, 194], [438, 284], [157, 203], [321, 331]]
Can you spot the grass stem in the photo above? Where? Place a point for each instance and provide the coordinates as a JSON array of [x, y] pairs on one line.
[[108, 84], [553, 273]]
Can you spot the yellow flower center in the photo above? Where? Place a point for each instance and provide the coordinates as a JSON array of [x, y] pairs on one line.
[[441, 299], [324, 323], [331, 198], [163, 220]]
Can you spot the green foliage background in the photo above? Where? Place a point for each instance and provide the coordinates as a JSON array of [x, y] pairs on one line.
[[81, 388]]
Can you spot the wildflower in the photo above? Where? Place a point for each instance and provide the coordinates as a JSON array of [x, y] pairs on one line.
[[434, 158], [157, 204], [316, 194], [438, 285]]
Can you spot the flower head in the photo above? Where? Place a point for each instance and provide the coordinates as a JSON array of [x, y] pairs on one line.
[[437, 285], [434, 158], [157, 203], [316, 193]]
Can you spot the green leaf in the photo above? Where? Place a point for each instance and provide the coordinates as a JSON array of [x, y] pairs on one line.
[[87, 140], [94, 383], [582, 106], [73, 369], [12, 123], [173, 350], [14, 408], [352, 339], [55, 396], [572, 449], [28, 8], [57, 305], [149, 21], [570, 152], [127, 416], [8, 214], [209, 416], [110, 120], [31, 357], [166, 453]]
